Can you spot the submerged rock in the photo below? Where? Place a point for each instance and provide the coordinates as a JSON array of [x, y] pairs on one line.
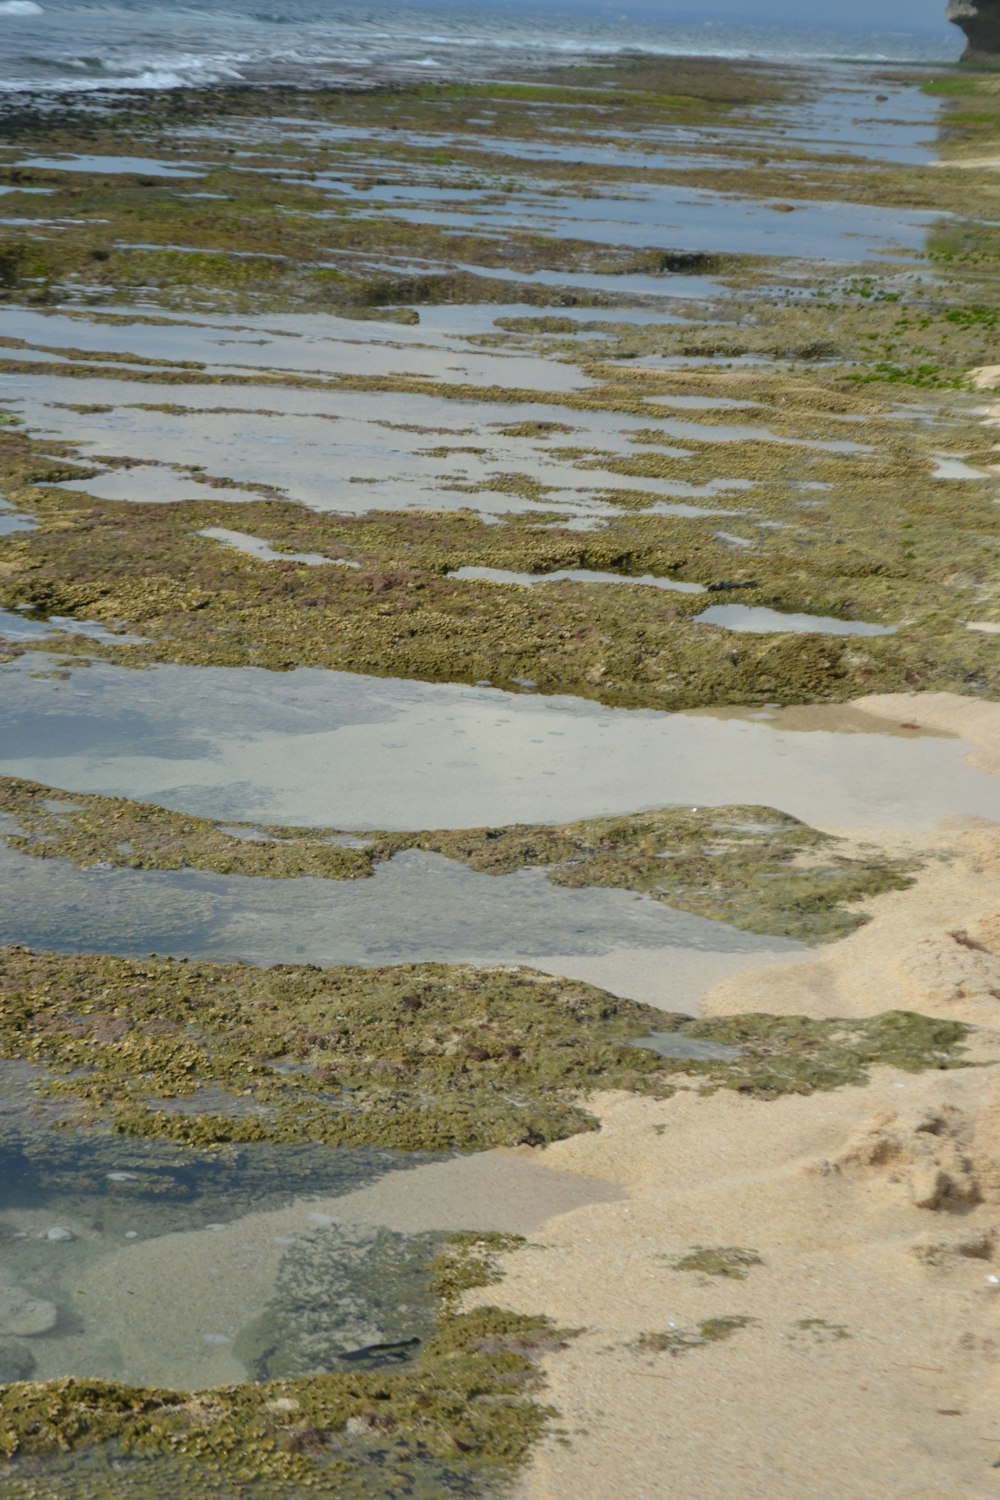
[[23, 1314], [16, 1361], [980, 21]]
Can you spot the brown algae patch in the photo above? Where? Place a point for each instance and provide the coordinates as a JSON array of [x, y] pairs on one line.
[[752, 867]]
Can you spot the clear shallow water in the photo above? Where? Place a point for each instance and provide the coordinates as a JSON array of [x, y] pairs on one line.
[[192, 1269], [80, 1216], [417, 908], [12, 520], [348, 452], [690, 218], [343, 751], [84, 46], [574, 575], [760, 621], [255, 546], [18, 627]]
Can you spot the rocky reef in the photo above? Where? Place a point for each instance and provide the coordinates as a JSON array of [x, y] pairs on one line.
[[980, 21]]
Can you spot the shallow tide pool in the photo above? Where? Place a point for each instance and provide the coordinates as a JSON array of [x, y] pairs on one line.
[[338, 750]]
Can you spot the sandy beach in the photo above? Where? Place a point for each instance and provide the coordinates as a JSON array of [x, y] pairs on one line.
[[862, 1355]]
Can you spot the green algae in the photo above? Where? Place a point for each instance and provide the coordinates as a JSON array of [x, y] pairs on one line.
[[424, 1057], [752, 867], [417, 1057], [730, 1262], [927, 563], [798, 1055], [469, 1260], [677, 1341]]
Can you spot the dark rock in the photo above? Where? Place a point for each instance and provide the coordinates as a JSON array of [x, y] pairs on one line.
[[728, 584], [980, 21]]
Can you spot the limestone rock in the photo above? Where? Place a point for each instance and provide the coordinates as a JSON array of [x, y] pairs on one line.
[[980, 21]]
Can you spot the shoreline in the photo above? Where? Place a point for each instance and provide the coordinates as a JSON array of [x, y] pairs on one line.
[[866, 1346], [772, 1233]]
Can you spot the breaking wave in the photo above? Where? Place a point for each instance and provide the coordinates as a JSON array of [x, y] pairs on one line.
[[79, 45]]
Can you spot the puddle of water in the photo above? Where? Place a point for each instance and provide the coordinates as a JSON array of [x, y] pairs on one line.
[[574, 575], [417, 908], [758, 620], [688, 218], [946, 466], [899, 127], [629, 283], [12, 521], [254, 546], [343, 452], [319, 344], [127, 1260], [146, 166], [17, 627], [331, 749]]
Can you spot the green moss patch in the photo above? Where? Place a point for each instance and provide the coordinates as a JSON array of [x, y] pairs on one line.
[[729, 1262], [682, 1340], [418, 1057]]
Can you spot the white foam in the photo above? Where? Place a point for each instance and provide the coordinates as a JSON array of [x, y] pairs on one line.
[[19, 8]]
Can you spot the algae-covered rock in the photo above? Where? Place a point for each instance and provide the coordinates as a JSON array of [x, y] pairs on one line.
[[459, 1418], [417, 1057], [753, 867]]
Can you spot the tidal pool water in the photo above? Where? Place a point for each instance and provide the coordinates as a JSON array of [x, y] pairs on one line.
[[758, 620], [337, 450], [416, 908], [131, 1260], [339, 750], [574, 575]]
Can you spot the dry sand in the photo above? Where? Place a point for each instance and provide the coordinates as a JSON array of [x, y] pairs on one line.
[[871, 1366]]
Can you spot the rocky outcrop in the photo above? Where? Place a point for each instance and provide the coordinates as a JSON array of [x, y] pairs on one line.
[[980, 20]]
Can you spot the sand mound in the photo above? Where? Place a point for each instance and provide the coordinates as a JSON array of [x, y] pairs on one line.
[[926, 1153]]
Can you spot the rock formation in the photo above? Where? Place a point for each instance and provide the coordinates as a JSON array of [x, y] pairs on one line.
[[980, 20]]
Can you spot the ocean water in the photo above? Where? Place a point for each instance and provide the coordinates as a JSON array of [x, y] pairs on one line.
[[78, 45]]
